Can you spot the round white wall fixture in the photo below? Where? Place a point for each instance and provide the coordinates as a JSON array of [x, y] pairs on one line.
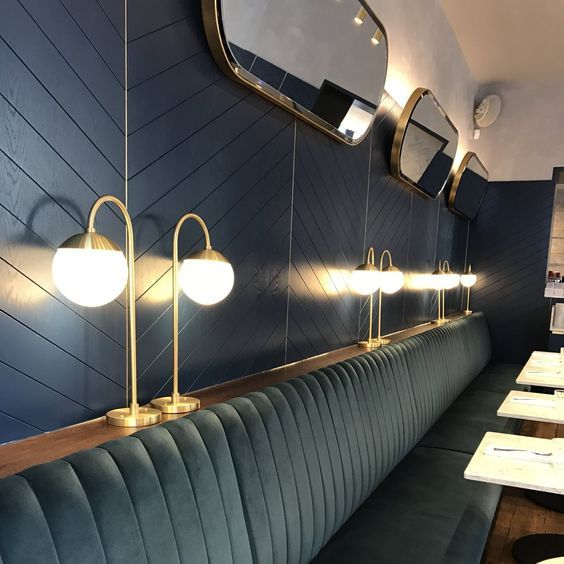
[[488, 110]]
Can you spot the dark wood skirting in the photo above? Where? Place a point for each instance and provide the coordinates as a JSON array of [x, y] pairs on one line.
[[16, 456]]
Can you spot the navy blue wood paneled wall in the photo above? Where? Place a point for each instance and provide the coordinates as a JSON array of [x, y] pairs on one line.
[[292, 209], [509, 244]]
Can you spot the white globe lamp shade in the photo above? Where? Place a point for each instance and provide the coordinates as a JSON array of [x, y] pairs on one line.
[[451, 280], [90, 270], [438, 280], [392, 280], [468, 280], [365, 279], [206, 277]]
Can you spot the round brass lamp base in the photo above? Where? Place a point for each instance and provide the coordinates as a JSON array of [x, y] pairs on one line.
[[440, 321], [125, 417], [467, 312], [184, 404], [374, 343]]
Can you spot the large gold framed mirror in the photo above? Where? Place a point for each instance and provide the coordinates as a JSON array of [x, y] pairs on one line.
[[323, 61], [469, 187], [424, 144]]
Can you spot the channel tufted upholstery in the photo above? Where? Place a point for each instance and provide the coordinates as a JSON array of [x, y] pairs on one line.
[[284, 474]]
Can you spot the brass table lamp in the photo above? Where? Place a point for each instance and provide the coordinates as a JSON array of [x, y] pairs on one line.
[[206, 277], [391, 281], [366, 280], [437, 281], [468, 279], [91, 270]]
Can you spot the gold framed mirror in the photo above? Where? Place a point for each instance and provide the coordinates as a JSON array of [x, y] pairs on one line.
[[469, 187], [424, 145], [324, 62]]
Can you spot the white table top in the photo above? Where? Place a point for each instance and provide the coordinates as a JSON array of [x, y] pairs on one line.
[[518, 410], [543, 369], [545, 354], [528, 474]]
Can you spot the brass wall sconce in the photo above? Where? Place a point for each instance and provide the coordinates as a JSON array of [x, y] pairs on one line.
[[91, 270], [468, 279], [206, 277], [366, 279], [360, 17], [377, 37]]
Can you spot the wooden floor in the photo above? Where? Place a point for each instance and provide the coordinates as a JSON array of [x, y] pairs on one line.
[[517, 516]]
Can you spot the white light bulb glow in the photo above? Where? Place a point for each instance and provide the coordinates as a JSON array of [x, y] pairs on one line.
[[468, 280], [451, 280], [377, 37], [90, 277], [206, 281], [438, 281], [360, 16], [365, 282], [392, 281]]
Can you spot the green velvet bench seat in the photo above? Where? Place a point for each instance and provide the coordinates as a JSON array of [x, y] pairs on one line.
[[361, 461]]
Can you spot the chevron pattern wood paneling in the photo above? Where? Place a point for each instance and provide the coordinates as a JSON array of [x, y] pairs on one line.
[[293, 210], [61, 146], [509, 244]]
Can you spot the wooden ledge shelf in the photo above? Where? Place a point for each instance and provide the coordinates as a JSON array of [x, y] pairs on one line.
[[19, 455]]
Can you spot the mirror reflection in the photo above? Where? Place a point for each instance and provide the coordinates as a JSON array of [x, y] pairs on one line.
[[324, 61], [424, 144], [469, 186]]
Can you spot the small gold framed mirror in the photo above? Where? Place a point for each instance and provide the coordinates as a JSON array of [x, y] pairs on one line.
[[469, 187], [424, 144]]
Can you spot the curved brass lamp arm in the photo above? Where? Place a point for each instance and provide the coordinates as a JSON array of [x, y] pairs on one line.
[[370, 256], [387, 253], [175, 393], [130, 287]]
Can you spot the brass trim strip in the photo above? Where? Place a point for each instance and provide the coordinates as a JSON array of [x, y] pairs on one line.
[[211, 13], [399, 136]]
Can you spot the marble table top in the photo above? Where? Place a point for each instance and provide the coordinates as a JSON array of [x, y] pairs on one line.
[[549, 412], [545, 354], [528, 474], [543, 369]]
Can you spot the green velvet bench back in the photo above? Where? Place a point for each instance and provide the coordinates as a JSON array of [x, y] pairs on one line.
[[268, 477]]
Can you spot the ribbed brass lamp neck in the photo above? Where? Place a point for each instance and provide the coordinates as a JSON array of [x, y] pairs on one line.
[[90, 240], [207, 254]]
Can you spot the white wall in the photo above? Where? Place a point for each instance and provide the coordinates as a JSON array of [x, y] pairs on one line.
[[527, 140], [423, 51]]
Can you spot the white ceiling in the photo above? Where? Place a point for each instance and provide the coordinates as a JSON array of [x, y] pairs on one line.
[[510, 40]]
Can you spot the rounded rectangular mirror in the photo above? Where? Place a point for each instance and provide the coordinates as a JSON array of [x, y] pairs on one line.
[[324, 61], [424, 144], [468, 187]]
